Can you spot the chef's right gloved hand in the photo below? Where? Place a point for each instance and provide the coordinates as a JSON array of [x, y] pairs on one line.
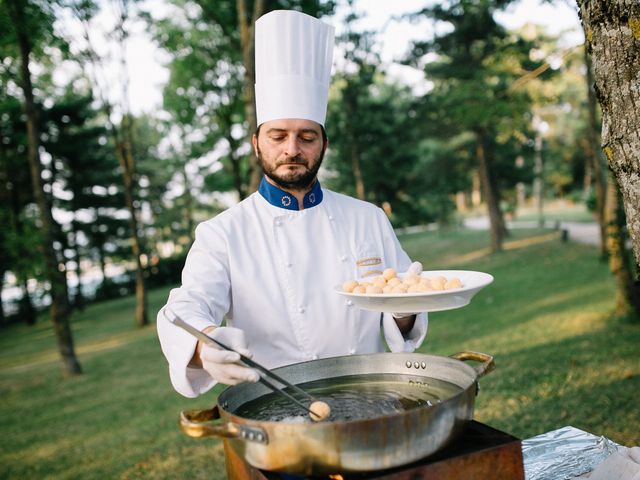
[[221, 364]]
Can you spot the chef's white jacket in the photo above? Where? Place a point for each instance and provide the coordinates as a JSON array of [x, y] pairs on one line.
[[271, 271]]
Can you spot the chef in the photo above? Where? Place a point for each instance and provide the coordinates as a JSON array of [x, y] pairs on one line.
[[260, 276]]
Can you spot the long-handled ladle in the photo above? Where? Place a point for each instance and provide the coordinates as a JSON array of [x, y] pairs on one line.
[[317, 409]]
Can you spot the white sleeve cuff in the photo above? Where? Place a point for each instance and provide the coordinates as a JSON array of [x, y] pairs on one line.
[[411, 340], [178, 347], [198, 382]]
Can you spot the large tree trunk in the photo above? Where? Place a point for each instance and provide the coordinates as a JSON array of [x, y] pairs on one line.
[[56, 277], [126, 159], [593, 153], [491, 195], [627, 301], [246, 23], [612, 28]]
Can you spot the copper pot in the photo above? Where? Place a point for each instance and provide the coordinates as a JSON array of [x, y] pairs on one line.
[[346, 446]]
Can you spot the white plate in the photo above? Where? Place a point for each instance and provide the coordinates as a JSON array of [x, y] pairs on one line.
[[434, 301]]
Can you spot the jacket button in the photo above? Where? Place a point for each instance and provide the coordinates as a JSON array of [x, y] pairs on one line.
[[301, 309], [314, 357], [278, 223], [343, 258], [352, 351], [331, 217], [289, 264], [349, 303]]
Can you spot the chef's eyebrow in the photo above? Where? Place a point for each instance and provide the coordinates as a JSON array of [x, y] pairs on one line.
[[322, 131], [284, 130]]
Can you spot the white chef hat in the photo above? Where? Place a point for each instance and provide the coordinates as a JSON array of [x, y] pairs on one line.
[[294, 52]]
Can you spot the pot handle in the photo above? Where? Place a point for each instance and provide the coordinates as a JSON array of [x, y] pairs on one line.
[[485, 367], [194, 424]]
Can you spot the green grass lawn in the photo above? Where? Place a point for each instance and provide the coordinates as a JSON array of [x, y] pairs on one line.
[[561, 360], [552, 211], [560, 210]]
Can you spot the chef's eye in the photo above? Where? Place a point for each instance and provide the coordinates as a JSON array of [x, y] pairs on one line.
[[308, 139]]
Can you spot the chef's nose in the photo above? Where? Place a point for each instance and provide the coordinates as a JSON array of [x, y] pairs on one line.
[[292, 146]]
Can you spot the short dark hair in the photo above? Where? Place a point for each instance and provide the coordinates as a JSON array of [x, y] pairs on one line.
[[324, 133]]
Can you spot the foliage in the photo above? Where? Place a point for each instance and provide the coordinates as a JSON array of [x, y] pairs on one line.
[[393, 165], [204, 95], [204, 92], [414, 152], [89, 179], [376, 150], [474, 65], [20, 236], [27, 37]]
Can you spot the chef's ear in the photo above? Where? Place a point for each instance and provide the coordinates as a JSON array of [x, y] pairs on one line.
[[254, 142]]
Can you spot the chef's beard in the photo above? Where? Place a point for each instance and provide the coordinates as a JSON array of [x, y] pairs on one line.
[[292, 180]]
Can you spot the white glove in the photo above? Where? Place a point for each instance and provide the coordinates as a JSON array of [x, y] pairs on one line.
[[414, 269], [221, 364]]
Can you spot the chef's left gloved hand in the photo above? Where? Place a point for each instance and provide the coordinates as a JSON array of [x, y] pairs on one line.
[[405, 320], [414, 269]]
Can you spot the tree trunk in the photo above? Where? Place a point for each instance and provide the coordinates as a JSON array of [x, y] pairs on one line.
[[78, 299], [612, 28], [357, 171], [491, 195], [236, 170], [587, 178], [56, 277], [594, 157], [188, 207], [619, 261], [247, 34], [3, 318], [26, 310], [125, 157], [476, 190], [350, 104], [103, 289], [538, 181], [103, 263]]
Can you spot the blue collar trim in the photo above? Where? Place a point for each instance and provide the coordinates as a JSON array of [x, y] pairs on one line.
[[282, 199]]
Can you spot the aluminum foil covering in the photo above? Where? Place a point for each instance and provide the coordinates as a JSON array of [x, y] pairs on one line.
[[564, 453]]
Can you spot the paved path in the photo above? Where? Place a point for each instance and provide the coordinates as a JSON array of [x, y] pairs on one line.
[[578, 232]]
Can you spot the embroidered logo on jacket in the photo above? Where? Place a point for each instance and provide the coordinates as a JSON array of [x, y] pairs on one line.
[[369, 266]]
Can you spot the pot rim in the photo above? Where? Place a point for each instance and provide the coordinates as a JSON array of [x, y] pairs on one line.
[[325, 424]]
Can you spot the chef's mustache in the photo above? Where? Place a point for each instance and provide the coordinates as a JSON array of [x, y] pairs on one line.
[[296, 159]]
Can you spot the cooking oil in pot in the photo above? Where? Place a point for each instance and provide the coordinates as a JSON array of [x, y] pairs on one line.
[[355, 397]]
